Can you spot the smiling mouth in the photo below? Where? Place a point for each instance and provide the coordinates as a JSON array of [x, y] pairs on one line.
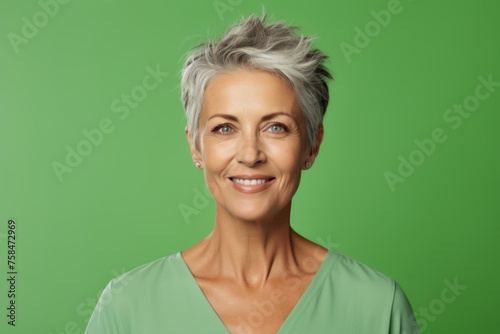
[[251, 182]]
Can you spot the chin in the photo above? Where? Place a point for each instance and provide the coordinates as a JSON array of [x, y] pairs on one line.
[[256, 211]]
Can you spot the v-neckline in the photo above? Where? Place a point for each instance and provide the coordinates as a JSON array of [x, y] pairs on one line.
[[309, 291]]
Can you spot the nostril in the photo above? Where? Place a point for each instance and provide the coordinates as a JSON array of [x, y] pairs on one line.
[[250, 154]]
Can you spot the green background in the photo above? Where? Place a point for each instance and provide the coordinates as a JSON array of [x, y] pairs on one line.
[[121, 205]]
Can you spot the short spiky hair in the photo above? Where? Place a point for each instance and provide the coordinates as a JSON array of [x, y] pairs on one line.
[[273, 47]]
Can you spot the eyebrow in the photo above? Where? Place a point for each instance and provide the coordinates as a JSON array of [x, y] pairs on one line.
[[264, 118]]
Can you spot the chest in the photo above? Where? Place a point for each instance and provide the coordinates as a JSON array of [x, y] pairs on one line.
[[244, 310]]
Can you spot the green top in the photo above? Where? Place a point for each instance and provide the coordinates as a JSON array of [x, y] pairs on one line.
[[345, 296]]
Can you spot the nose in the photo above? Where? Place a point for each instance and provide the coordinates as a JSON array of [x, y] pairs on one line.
[[250, 151]]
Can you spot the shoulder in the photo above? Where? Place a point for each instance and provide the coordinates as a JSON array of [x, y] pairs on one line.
[[360, 288], [131, 299], [167, 265], [348, 296], [146, 278], [346, 268], [356, 282]]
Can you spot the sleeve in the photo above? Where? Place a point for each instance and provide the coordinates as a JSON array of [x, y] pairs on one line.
[[402, 317], [106, 318]]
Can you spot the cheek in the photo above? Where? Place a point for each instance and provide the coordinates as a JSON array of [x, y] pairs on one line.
[[287, 155], [287, 161], [216, 155]]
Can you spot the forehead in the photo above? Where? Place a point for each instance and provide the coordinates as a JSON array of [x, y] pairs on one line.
[[253, 92]]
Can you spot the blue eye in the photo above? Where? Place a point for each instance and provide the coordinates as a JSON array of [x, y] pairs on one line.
[[278, 128], [223, 129]]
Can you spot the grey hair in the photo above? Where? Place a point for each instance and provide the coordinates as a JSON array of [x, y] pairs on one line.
[[255, 44]]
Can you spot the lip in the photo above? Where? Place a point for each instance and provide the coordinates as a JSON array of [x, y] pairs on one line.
[[250, 189]]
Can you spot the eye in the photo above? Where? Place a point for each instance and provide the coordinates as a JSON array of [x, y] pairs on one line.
[[223, 129], [278, 127]]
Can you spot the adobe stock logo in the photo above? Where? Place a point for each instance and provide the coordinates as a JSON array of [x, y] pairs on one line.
[[198, 203], [264, 308], [437, 306], [122, 107], [428, 146], [363, 37], [30, 28], [85, 308], [222, 6]]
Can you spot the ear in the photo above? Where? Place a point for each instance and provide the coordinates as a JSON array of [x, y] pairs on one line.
[[192, 147], [313, 151]]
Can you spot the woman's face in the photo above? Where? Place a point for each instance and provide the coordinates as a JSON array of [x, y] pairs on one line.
[[252, 143]]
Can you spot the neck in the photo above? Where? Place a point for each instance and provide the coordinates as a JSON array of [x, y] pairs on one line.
[[252, 251]]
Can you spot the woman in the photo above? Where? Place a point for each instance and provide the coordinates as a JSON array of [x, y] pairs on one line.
[[254, 103]]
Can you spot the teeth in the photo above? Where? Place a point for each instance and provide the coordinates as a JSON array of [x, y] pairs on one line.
[[249, 182]]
